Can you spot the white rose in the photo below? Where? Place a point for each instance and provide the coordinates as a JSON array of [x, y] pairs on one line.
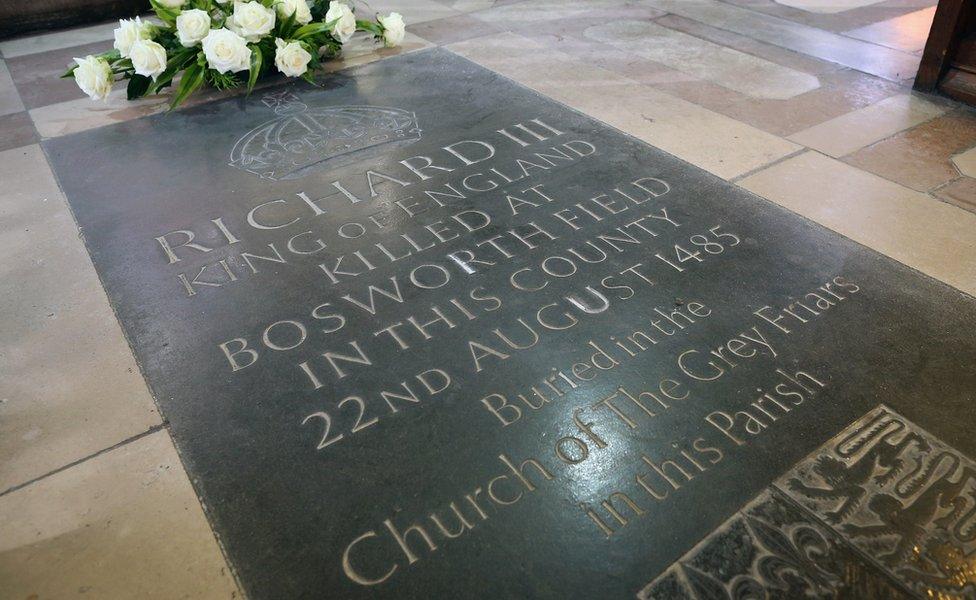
[[129, 32], [299, 8], [290, 58], [148, 58], [226, 51], [252, 20], [393, 29], [172, 3], [192, 26], [94, 76], [345, 21]]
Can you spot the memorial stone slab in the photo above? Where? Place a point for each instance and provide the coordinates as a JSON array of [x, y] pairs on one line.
[[422, 332]]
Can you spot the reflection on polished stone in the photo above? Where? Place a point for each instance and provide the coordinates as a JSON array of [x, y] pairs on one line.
[[422, 332]]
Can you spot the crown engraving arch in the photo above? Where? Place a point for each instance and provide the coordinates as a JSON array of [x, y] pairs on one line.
[[302, 138]]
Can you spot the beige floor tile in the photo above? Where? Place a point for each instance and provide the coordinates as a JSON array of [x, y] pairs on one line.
[[705, 60], [911, 227], [907, 32], [363, 49], [69, 386], [855, 130], [534, 11], [961, 192], [919, 157], [453, 29], [713, 142], [124, 524], [863, 56], [9, 98], [413, 11], [966, 162], [827, 6], [16, 130], [58, 39], [82, 114], [840, 92], [772, 53]]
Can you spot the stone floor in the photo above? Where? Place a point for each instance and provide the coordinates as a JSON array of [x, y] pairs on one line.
[[805, 102]]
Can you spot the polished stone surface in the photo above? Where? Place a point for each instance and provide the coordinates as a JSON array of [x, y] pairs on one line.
[[679, 318]]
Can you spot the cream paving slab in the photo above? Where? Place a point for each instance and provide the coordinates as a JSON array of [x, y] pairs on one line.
[[912, 227], [58, 39], [966, 162], [124, 524], [413, 11], [69, 386], [857, 129], [711, 141], [10, 102], [907, 32], [82, 114], [827, 6], [547, 10], [863, 56], [729, 68]]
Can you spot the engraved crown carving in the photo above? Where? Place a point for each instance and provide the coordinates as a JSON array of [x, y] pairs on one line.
[[302, 137]]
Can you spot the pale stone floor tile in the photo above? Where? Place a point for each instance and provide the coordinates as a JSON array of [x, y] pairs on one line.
[[711, 141], [863, 56], [854, 130], [705, 60], [16, 130], [919, 158], [907, 32], [413, 11], [909, 226], [58, 39], [961, 192], [452, 29], [70, 386], [38, 76], [363, 49], [9, 98], [81, 114], [840, 92], [535, 11], [842, 21], [827, 6], [124, 524], [772, 53], [966, 162]]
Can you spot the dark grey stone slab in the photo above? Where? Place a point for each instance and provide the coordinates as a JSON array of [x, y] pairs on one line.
[[763, 335]]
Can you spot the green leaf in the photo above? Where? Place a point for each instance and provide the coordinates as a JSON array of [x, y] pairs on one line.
[[257, 58], [174, 65], [70, 73], [137, 87], [370, 26], [313, 29], [166, 15], [192, 79], [285, 27]]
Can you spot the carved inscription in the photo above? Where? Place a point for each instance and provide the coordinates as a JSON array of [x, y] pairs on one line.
[[882, 510], [518, 353]]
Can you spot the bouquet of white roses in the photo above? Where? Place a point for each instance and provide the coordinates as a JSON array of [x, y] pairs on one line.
[[225, 44]]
